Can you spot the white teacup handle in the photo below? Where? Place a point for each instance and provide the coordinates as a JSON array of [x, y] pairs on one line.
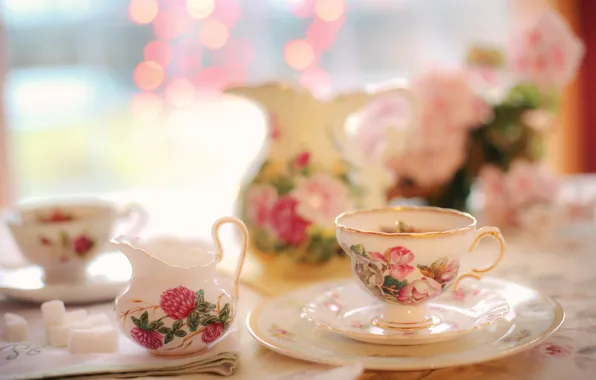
[[141, 217], [219, 250], [480, 234]]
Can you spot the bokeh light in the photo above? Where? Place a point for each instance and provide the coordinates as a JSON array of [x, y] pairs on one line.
[[299, 54], [148, 75], [158, 51], [320, 34], [142, 11], [146, 106], [213, 34], [170, 24], [211, 79], [180, 92], [329, 10], [317, 80], [188, 54], [302, 8], [227, 11], [200, 9], [237, 51]]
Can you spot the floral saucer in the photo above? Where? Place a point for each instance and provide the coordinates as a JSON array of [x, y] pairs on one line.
[[348, 311], [282, 326]]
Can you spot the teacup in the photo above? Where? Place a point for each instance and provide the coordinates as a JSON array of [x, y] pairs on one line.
[[406, 256], [63, 236]]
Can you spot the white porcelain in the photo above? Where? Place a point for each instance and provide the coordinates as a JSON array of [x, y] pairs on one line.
[[347, 310], [105, 278], [63, 236], [407, 269], [174, 304], [280, 325]]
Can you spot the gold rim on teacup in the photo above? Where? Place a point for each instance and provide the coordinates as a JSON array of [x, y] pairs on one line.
[[404, 271]]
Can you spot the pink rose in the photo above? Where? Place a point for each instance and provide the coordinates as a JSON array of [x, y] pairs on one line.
[[82, 244], [289, 227], [418, 291], [321, 197], [259, 200], [302, 160], [397, 260], [212, 332], [547, 54]]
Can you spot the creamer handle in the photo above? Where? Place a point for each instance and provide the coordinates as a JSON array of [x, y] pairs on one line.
[[219, 250]]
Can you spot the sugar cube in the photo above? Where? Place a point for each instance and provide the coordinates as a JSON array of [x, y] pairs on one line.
[[105, 339], [53, 312], [80, 341], [74, 316], [15, 328], [58, 335], [91, 321]]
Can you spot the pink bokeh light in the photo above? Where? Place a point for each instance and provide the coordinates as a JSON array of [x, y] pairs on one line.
[[302, 8], [227, 11], [170, 24], [317, 80], [158, 51]]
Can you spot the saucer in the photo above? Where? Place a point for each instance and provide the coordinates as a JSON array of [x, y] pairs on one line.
[[349, 311], [107, 276], [281, 325]]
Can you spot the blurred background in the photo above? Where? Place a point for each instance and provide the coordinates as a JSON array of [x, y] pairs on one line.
[[122, 96]]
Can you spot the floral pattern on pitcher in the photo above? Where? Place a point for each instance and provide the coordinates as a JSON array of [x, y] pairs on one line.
[[385, 274], [56, 216], [185, 314], [290, 208]]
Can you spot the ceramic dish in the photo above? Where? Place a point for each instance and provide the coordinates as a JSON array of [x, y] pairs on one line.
[[348, 311], [281, 325]]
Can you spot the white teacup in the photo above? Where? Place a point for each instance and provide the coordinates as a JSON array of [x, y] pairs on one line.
[[405, 270], [63, 236]]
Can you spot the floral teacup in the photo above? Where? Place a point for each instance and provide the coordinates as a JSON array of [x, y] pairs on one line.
[[63, 236], [405, 270]]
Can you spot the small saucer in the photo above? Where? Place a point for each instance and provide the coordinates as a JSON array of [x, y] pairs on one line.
[[348, 311], [107, 276]]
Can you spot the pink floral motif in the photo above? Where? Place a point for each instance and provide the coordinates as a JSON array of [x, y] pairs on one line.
[[259, 201], [459, 295], [177, 302], [547, 54], [212, 332], [302, 160], [397, 260], [147, 338], [450, 272], [82, 244], [274, 127], [418, 291], [554, 350], [285, 221], [321, 197], [44, 240]]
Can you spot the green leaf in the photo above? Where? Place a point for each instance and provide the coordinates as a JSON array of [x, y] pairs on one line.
[[164, 330], [224, 313], [205, 307], [358, 249], [193, 320], [391, 282], [264, 241], [206, 321], [137, 322], [180, 333], [200, 296], [283, 184], [64, 239], [155, 325], [177, 325], [144, 320], [169, 338]]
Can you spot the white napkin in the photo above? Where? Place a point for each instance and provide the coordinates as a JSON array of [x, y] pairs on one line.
[[20, 361]]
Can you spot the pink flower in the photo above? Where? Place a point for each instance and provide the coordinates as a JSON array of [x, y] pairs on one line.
[[321, 197], [398, 259], [418, 291], [147, 338], [450, 272], [289, 227], [547, 54], [459, 295], [530, 183], [212, 332], [177, 302], [82, 244], [259, 200], [44, 240], [553, 349], [302, 160], [58, 216]]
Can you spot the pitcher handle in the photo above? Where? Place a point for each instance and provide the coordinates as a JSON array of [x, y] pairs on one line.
[[219, 250], [141, 217], [483, 232]]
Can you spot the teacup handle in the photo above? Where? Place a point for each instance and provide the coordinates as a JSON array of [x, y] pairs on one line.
[[219, 250], [480, 234], [140, 220]]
